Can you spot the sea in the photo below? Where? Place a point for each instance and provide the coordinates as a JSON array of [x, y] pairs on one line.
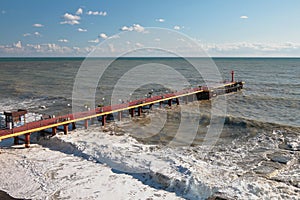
[[271, 93], [265, 114]]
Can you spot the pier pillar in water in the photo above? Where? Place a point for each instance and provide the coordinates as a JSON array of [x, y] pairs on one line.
[[140, 111], [120, 115], [177, 101], [66, 129], [204, 95], [151, 106], [103, 120], [131, 112], [160, 104], [27, 140], [73, 125], [170, 102], [16, 140], [54, 129], [232, 76], [86, 123]]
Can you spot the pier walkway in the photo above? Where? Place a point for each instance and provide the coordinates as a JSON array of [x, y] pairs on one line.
[[134, 107]]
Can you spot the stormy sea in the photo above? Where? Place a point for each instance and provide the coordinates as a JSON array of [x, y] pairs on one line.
[[256, 155]]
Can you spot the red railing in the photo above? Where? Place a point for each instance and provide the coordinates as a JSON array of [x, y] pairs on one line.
[[110, 108]]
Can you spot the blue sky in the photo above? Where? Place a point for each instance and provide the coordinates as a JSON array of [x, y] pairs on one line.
[[222, 27]]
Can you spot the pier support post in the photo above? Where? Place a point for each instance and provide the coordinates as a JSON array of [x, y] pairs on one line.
[[170, 102], [151, 106], [16, 140], [160, 104], [54, 129], [27, 140], [140, 111], [103, 120], [119, 115], [177, 101], [73, 125], [132, 112], [66, 129], [86, 123], [232, 76]]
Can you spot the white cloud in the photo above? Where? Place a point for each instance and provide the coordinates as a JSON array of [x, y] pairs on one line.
[[70, 19], [160, 20], [114, 37], [26, 34], [244, 17], [138, 45], [79, 11], [112, 48], [290, 49], [63, 40], [34, 46], [253, 49], [81, 30], [48, 49], [37, 34], [94, 41], [103, 35], [101, 13], [38, 25], [18, 45], [134, 27], [125, 28], [3, 12], [176, 27], [68, 16], [72, 22]]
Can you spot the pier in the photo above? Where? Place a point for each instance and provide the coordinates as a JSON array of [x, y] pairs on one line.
[[133, 108]]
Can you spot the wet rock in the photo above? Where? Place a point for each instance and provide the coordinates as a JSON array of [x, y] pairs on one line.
[[280, 157], [268, 169], [219, 196], [4, 195], [292, 143]]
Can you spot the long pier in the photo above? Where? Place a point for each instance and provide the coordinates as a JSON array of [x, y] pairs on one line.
[[198, 93]]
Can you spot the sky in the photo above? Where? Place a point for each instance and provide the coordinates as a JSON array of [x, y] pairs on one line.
[[267, 28]]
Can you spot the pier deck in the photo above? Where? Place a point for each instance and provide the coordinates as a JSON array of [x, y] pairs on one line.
[[199, 93]]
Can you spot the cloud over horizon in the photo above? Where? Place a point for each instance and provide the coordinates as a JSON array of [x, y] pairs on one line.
[[244, 49]]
